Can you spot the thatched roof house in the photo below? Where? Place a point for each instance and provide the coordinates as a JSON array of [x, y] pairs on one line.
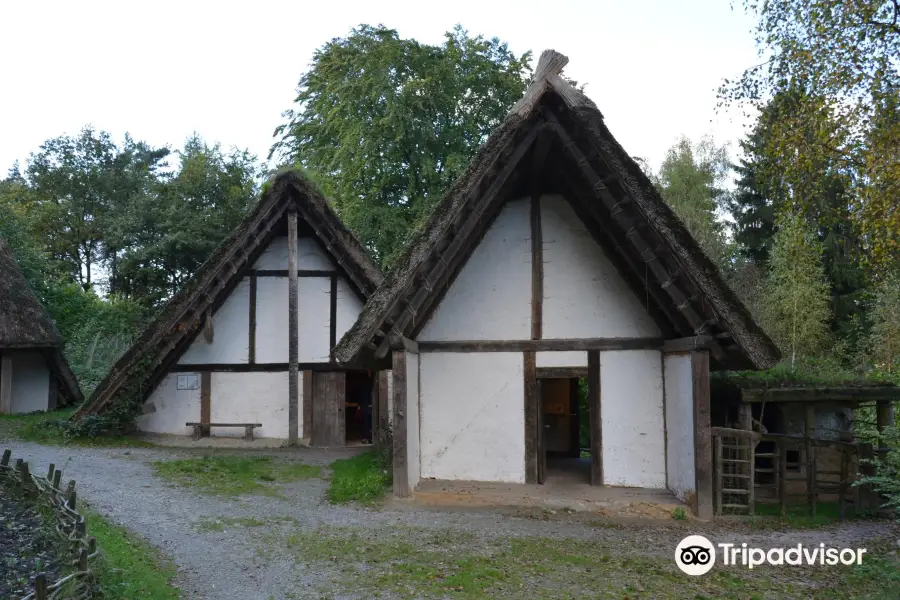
[[34, 374]]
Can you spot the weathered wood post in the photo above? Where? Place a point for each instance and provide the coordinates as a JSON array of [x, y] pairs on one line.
[[293, 340], [703, 467], [7, 454], [782, 477], [40, 586]]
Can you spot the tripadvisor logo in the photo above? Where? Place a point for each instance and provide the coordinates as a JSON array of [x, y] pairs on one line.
[[696, 555]]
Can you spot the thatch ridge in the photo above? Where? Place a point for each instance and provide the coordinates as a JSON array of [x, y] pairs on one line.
[[754, 344], [285, 187]]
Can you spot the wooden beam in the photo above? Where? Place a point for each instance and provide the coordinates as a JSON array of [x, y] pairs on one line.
[[6, 375], [532, 420], [849, 395], [205, 400], [537, 266], [300, 272], [687, 344], [703, 468], [542, 345], [595, 409], [308, 400], [251, 349], [259, 367], [561, 372], [332, 319], [401, 469], [293, 337], [401, 342], [208, 328]]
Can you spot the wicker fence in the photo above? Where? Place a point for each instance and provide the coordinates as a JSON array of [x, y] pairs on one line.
[[69, 525]]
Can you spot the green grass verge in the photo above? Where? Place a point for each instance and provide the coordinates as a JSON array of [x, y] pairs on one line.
[[43, 428], [363, 478], [415, 563], [234, 475], [796, 516], [128, 566]]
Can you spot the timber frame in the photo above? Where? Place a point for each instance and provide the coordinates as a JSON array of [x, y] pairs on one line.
[[555, 141], [160, 346]]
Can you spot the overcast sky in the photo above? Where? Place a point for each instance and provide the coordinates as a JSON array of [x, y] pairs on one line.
[[161, 70]]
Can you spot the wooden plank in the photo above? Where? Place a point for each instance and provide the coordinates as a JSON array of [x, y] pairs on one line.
[[537, 267], [293, 339], [252, 339], [541, 433], [561, 372], [532, 417], [596, 415], [720, 476], [384, 417], [6, 375], [703, 470], [285, 272], [259, 367], [687, 344], [542, 345], [308, 399], [328, 406], [855, 395], [401, 342], [332, 319], [782, 478], [575, 431], [842, 493], [205, 399], [401, 471], [812, 496], [751, 492]]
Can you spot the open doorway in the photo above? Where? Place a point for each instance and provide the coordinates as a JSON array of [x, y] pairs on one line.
[[565, 430], [358, 413]]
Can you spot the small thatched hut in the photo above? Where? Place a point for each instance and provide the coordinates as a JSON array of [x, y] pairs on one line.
[[34, 375]]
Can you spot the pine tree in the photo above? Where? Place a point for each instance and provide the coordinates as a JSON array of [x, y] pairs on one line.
[[885, 336], [797, 302]]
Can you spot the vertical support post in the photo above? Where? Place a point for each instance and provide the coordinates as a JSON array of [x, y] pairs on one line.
[[703, 468], [842, 489], [751, 488], [596, 410], [384, 418], [782, 477], [532, 418], [537, 267], [6, 373], [251, 348], [720, 475], [40, 586], [401, 472], [293, 326], [308, 405], [811, 495], [205, 400], [884, 415], [332, 322]]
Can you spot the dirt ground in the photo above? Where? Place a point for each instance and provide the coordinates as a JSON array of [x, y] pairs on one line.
[[296, 545]]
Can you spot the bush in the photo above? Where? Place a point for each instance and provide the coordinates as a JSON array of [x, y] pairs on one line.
[[886, 480]]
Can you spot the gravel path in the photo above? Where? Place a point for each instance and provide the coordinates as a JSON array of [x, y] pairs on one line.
[[229, 563]]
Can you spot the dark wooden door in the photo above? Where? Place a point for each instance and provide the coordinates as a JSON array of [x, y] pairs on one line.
[[329, 395], [541, 437]]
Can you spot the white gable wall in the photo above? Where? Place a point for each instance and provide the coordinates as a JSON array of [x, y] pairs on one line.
[[310, 255], [171, 407], [251, 398], [348, 307], [561, 359], [680, 425], [631, 409], [491, 297], [472, 418], [231, 332], [584, 295]]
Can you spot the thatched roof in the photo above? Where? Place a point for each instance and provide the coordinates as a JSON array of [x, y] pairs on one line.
[[555, 140], [24, 324], [178, 324]]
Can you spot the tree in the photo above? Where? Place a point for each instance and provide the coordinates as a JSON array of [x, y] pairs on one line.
[[885, 336], [846, 56], [797, 296], [388, 123], [690, 181]]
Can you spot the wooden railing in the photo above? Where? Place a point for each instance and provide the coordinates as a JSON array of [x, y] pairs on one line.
[[751, 467], [69, 524]]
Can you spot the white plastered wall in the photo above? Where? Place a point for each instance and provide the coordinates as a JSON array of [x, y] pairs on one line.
[[631, 408], [251, 398], [491, 297], [413, 460], [679, 425], [272, 320], [348, 307], [231, 332], [561, 359], [472, 416], [310, 255], [584, 295], [30, 382], [314, 322], [171, 408]]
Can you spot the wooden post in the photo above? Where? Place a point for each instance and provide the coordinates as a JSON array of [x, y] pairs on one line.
[[7, 454], [332, 320], [50, 472], [384, 417], [532, 418], [842, 490], [884, 415], [702, 443], [401, 474], [6, 373], [782, 477], [595, 408], [751, 488], [251, 342], [40, 587], [70, 494], [205, 401], [293, 325], [720, 475], [57, 476], [308, 399], [537, 267], [811, 495]]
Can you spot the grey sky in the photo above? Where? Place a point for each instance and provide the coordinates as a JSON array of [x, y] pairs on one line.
[[161, 70]]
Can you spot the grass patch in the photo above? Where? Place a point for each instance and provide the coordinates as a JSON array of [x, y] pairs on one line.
[[796, 516], [416, 563], [208, 524], [128, 566], [363, 478], [48, 428], [234, 475]]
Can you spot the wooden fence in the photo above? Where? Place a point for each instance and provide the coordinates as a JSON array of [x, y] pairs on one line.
[[751, 467], [69, 525]]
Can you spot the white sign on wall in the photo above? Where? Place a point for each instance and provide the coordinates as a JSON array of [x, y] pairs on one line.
[[188, 382]]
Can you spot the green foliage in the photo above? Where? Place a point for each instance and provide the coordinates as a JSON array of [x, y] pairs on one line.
[[797, 302], [679, 514], [885, 335], [691, 180], [390, 123], [363, 478], [234, 475], [886, 479]]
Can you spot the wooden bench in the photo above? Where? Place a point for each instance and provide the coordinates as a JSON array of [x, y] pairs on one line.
[[199, 427]]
